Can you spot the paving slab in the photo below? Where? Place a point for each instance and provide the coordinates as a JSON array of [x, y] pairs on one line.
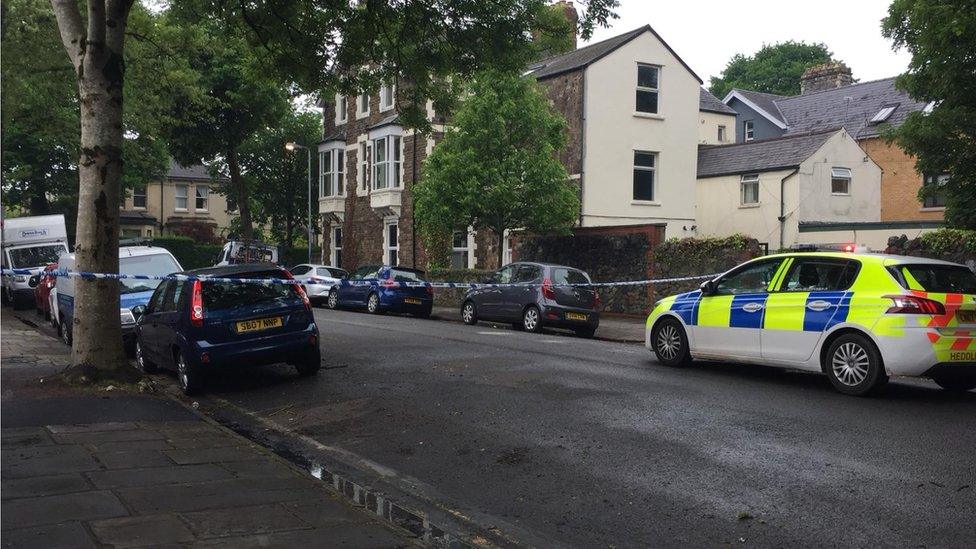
[[217, 494], [15, 437], [130, 446], [60, 508], [43, 486], [67, 535], [20, 464], [129, 460], [242, 520], [264, 467], [106, 436], [150, 530], [360, 536], [204, 440], [208, 455], [92, 427], [324, 511], [154, 476]]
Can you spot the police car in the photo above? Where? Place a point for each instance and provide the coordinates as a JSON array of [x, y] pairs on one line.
[[857, 317]]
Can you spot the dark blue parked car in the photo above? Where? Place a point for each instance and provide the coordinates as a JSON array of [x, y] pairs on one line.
[[375, 288], [196, 327]]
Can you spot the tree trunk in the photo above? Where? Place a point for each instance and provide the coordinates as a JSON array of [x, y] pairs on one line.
[[96, 54], [240, 191], [501, 248]]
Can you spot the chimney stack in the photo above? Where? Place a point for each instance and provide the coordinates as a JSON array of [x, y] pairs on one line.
[[570, 12], [827, 76]]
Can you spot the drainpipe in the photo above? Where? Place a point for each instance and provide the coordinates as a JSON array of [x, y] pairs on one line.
[[782, 206], [413, 211]]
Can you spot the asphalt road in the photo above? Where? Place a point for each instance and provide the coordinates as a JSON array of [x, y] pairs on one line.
[[593, 443]]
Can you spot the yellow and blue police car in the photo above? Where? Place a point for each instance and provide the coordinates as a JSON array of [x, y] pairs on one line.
[[857, 317]]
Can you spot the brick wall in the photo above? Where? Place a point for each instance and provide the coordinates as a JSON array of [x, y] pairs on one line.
[[899, 183]]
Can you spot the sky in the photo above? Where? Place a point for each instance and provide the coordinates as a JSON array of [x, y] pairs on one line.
[[706, 33]]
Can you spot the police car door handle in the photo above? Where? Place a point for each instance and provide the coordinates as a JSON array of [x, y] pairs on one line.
[[752, 307], [818, 305]]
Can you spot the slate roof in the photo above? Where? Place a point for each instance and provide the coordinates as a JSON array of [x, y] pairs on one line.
[[587, 55], [130, 217], [709, 103], [852, 107], [197, 172], [765, 101], [762, 155]]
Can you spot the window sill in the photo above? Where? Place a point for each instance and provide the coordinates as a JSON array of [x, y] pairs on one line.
[[340, 122], [143, 208], [747, 206], [361, 115], [181, 210], [199, 211], [644, 203], [840, 194], [932, 209], [384, 109], [648, 115]]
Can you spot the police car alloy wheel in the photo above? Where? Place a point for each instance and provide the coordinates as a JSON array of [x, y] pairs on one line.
[[373, 304], [468, 313], [333, 301], [854, 365], [670, 343]]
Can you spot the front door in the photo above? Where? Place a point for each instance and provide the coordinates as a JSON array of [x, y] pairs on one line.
[[149, 323], [489, 300], [730, 320], [523, 291], [807, 300]]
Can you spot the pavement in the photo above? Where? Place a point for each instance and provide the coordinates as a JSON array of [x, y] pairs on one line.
[[623, 329], [98, 468]]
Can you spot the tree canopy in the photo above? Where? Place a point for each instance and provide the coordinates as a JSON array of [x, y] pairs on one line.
[[496, 167], [776, 68], [941, 36]]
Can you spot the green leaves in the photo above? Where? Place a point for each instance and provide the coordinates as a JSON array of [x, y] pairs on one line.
[[775, 69], [941, 36], [497, 168]]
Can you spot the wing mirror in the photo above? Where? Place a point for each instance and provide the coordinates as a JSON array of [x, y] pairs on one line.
[[32, 281], [138, 311], [708, 287]]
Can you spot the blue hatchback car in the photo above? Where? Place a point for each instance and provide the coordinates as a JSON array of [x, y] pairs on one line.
[[198, 326], [376, 288]]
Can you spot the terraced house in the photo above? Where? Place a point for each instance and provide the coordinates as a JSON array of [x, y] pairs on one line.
[[636, 114]]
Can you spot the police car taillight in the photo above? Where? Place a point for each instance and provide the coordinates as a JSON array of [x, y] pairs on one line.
[[196, 305], [914, 305]]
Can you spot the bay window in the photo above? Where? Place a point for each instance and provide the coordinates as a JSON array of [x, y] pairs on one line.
[[387, 161]]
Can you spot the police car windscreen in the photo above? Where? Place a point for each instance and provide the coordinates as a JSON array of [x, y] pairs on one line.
[[153, 265], [941, 279], [37, 256]]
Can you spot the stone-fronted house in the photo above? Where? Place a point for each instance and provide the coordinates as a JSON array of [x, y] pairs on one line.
[[635, 112], [829, 98], [772, 189], [184, 197]]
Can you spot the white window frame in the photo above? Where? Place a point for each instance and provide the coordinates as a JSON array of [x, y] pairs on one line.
[[883, 114], [841, 174], [384, 90], [388, 248], [335, 255], [748, 130], [205, 198], [144, 195], [185, 198], [935, 180], [342, 109], [387, 162], [652, 169], [656, 90], [361, 101], [324, 163], [363, 163], [722, 133], [467, 249], [751, 180], [332, 172]]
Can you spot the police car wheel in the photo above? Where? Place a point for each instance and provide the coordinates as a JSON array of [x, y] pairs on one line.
[[670, 343], [854, 365], [469, 314], [333, 301], [956, 383]]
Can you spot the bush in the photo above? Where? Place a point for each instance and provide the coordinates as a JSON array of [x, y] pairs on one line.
[[190, 253], [699, 256], [956, 245], [298, 255], [451, 297]]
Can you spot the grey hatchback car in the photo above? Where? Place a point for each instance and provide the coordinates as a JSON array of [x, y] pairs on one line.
[[540, 295]]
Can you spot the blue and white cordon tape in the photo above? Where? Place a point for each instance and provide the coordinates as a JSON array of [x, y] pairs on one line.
[[269, 281]]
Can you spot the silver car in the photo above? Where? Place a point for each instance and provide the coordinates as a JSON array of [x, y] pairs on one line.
[[317, 280]]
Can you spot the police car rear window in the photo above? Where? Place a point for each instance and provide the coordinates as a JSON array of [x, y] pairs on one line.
[[941, 279]]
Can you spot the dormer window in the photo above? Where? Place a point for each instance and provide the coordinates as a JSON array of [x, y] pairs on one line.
[[883, 114]]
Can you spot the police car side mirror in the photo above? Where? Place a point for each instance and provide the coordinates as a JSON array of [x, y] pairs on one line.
[[32, 281], [707, 287]]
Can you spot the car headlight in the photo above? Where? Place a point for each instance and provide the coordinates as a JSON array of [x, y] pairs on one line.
[[20, 278], [127, 316]]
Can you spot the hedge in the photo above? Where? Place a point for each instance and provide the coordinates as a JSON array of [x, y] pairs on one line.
[[194, 255]]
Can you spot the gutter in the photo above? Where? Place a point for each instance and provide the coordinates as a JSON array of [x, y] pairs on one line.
[[782, 206]]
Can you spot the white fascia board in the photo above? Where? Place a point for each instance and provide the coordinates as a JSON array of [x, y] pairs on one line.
[[779, 124]]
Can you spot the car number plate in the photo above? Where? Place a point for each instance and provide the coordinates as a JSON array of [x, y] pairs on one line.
[[411, 301], [968, 317], [576, 316], [259, 324]]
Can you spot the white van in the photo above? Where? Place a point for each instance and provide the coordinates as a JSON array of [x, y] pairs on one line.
[[133, 294], [238, 252], [30, 243]]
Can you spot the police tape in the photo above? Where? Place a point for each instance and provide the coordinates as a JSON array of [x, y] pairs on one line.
[[60, 273]]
